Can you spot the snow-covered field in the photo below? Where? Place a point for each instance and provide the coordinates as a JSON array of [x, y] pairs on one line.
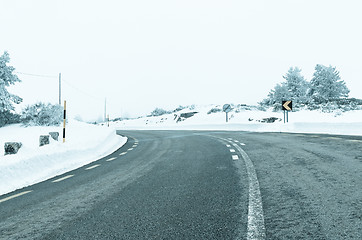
[[345, 123], [85, 143]]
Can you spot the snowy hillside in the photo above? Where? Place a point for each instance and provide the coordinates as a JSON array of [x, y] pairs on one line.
[[84, 144], [248, 118]]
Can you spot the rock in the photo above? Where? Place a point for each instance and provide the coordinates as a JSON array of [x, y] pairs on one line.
[[54, 135], [12, 147], [43, 140], [184, 116], [270, 120]]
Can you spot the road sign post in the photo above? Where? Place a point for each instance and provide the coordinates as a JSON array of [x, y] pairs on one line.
[[226, 108], [287, 106]]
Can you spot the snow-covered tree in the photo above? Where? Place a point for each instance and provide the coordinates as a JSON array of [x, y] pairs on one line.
[[7, 78], [7, 99], [294, 88], [297, 85], [327, 85]]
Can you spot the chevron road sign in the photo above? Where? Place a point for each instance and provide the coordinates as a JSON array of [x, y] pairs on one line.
[[287, 105]]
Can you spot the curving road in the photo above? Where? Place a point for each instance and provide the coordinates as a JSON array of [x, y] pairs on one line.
[[200, 185]]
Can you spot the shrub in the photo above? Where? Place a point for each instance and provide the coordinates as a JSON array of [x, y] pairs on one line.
[[8, 117], [42, 114], [214, 110]]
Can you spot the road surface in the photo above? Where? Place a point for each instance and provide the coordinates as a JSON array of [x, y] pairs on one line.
[[200, 185]]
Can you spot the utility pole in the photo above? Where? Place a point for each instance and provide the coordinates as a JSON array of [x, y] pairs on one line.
[[105, 109], [60, 88]]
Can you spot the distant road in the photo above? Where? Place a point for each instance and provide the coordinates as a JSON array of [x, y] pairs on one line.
[[200, 185]]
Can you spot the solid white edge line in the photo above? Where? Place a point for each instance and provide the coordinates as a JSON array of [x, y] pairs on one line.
[[256, 227], [63, 178], [111, 159], [14, 196], [91, 167]]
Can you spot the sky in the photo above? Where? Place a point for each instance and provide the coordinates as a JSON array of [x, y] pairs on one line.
[[143, 54]]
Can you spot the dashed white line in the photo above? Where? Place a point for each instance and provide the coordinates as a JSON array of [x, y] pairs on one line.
[[124, 153], [130, 149], [134, 146], [63, 178], [91, 167], [111, 159], [235, 157], [227, 145], [232, 150], [14, 196], [242, 144], [354, 140]]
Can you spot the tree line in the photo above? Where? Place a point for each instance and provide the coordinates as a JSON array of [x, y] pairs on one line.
[[325, 90]]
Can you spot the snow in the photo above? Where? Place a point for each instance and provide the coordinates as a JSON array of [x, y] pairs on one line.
[[87, 143], [84, 144], [304, 121]]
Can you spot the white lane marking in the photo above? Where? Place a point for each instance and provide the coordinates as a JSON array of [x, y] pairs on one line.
[[354, 140], [124, 153], [235, 157], [256, 227], [130, 149], [111, 159], [232, 150], [334, 138], [134, 146], [242, 144], [91, 167], [14, 196], [227, 145], [63, 178], [230, 139], [236, 141]]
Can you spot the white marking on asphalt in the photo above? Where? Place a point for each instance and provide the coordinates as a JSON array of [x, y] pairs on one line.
[[256, 227], [134, 145], [235, 157], [354, 140], [14, 196], [236, 141], [111, 159], [232, 150], [242, 144], [130, 149], [91, 167], [124, 153], [63, 178], [334, 138], [228, 145]]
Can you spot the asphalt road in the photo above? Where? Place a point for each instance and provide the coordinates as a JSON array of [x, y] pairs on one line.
[[200, 185]]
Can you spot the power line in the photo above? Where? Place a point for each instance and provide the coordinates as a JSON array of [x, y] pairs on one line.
[[37, 75]]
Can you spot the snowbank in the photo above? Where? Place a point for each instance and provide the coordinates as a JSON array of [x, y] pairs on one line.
[[32, 164], [344, 123]]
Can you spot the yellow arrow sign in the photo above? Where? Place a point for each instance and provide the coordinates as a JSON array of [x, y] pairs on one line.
[[286, 105]]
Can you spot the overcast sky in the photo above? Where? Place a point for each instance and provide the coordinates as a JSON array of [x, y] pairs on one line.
[[142, 54]]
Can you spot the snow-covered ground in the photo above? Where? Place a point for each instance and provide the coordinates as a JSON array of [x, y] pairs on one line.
[[85, 143], [346, 123]]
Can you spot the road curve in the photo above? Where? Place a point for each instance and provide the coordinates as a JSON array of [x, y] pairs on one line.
[[199, 185]]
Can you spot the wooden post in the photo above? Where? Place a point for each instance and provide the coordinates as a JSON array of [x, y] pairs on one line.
[[64, 119]]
